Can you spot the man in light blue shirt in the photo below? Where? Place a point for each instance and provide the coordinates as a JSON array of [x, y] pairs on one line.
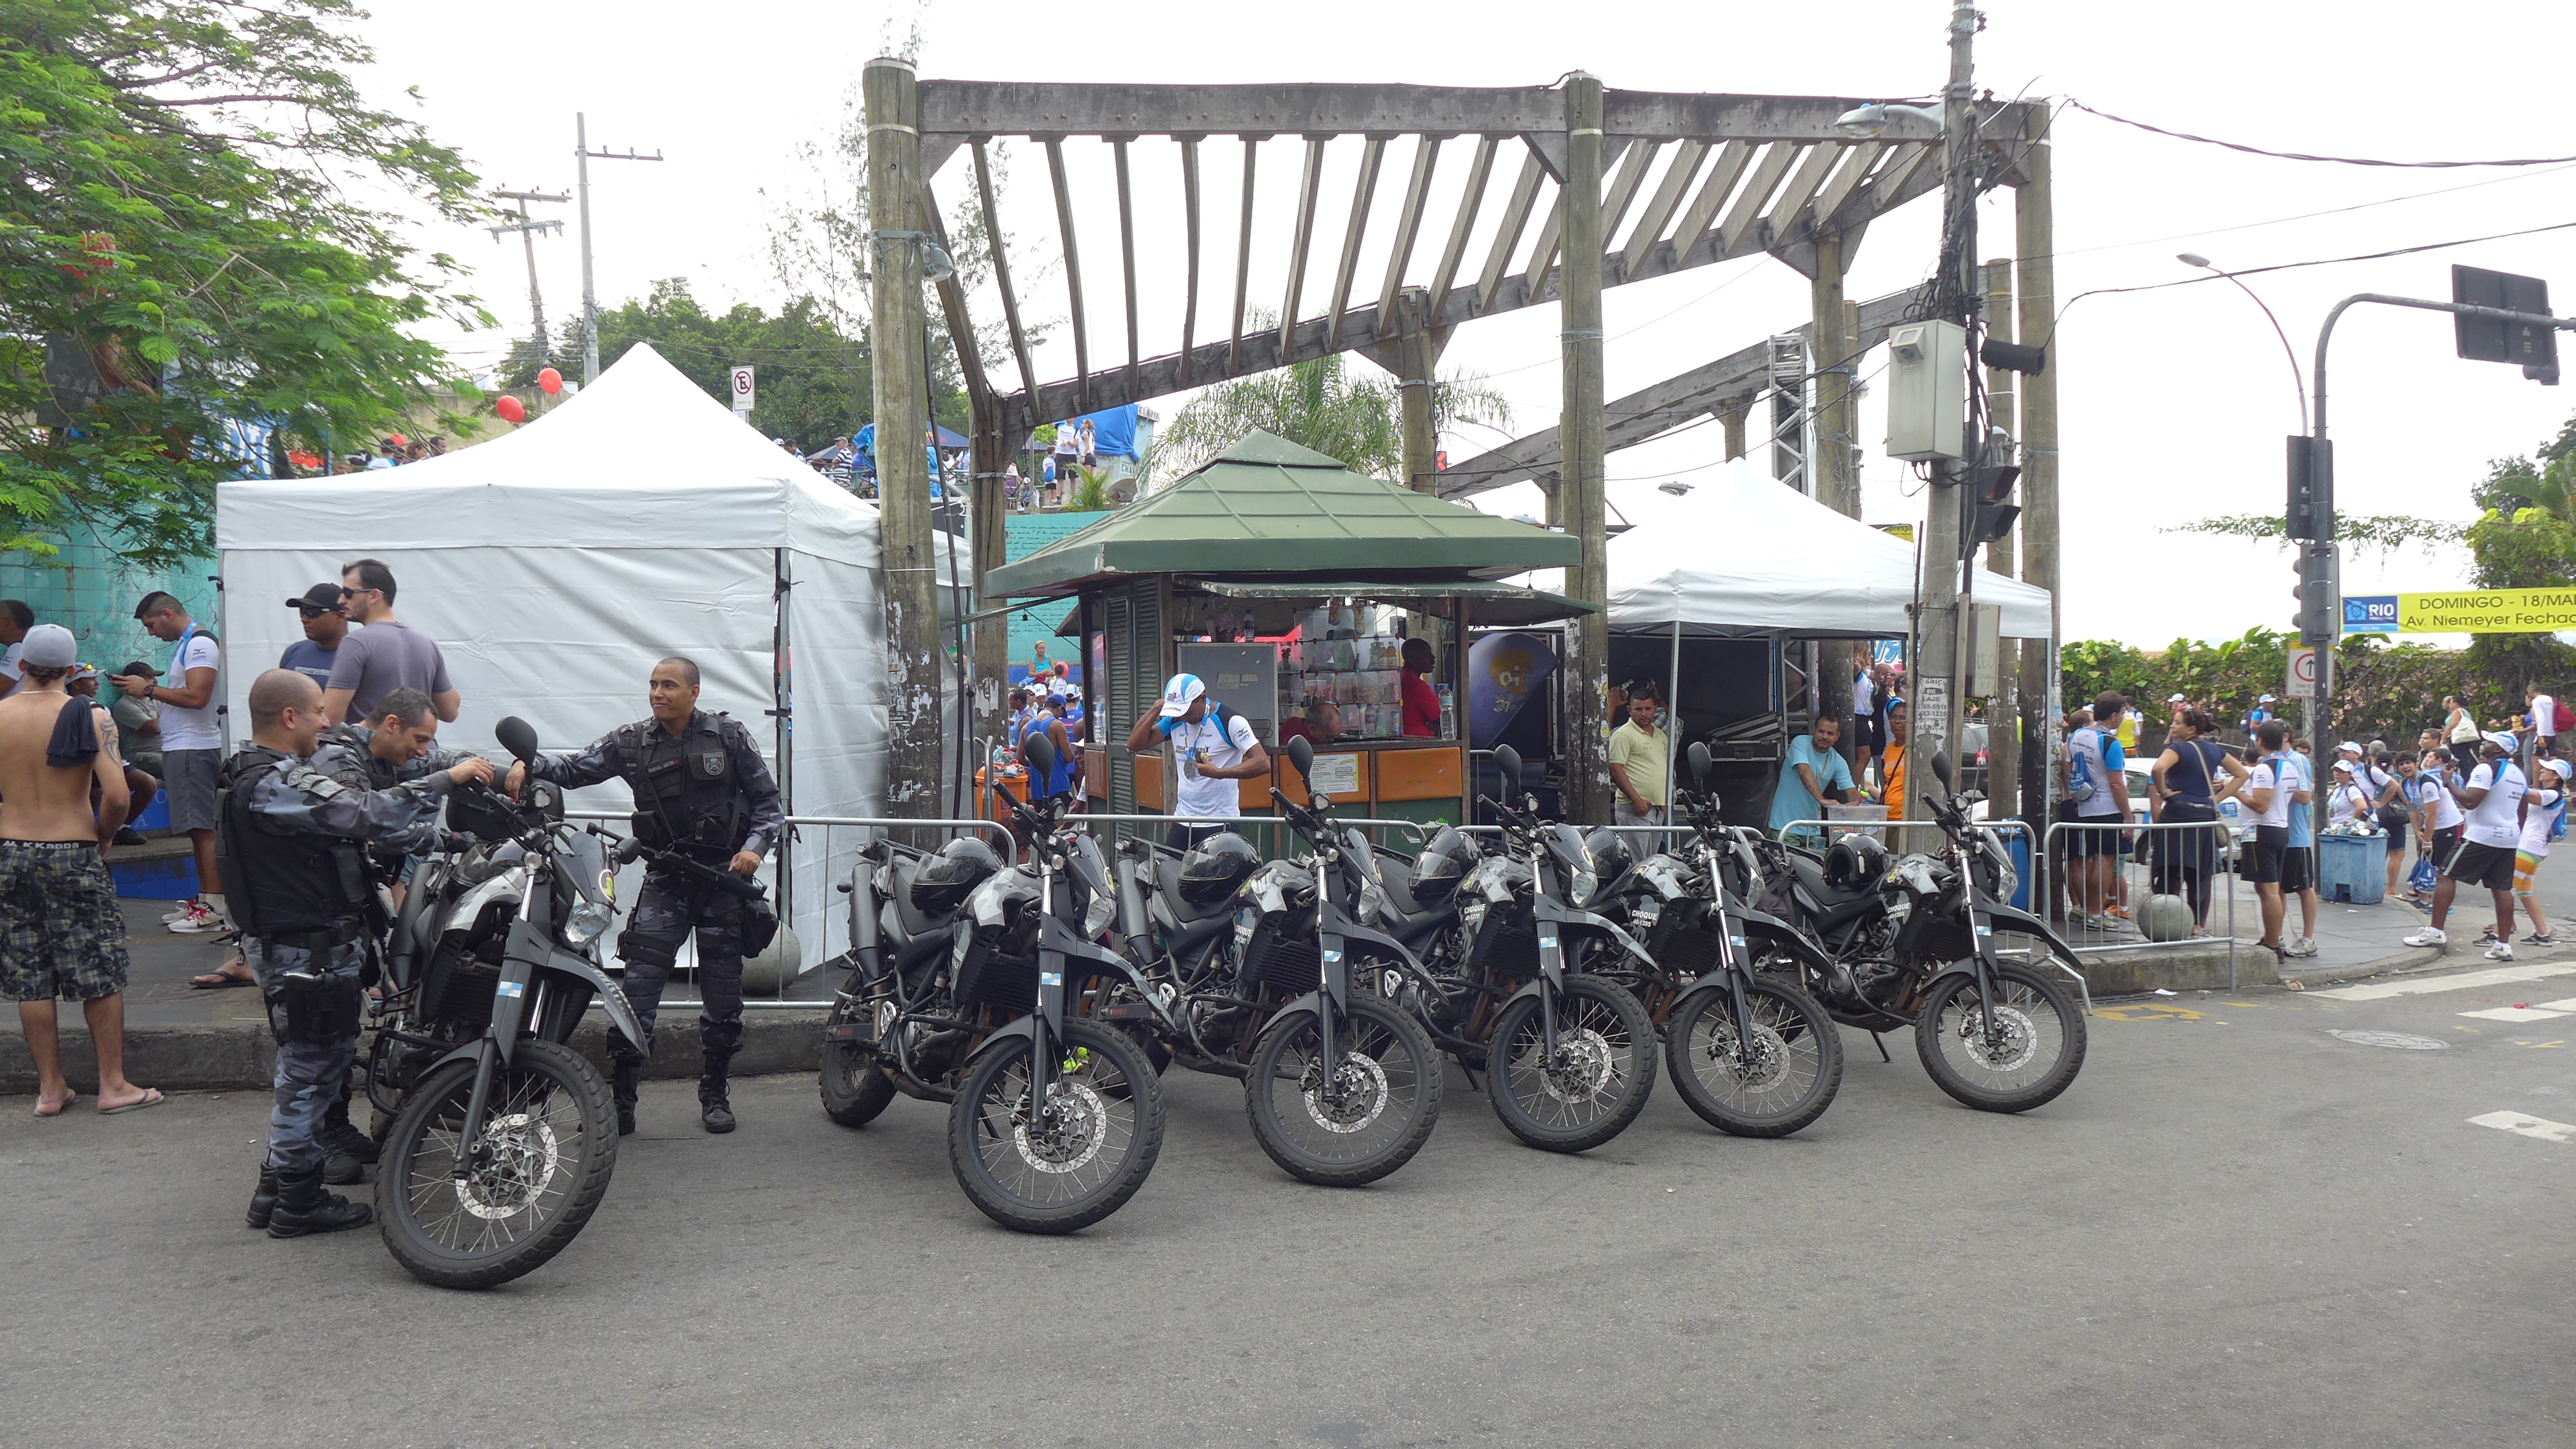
[[1811, 771], [2303, 837]]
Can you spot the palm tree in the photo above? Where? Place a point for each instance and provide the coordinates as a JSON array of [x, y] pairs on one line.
[[1319, 405]]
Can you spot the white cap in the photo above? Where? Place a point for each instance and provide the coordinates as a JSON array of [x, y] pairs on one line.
[[2266, 699], [2348, 745], [2501, 740], [2174, 699]]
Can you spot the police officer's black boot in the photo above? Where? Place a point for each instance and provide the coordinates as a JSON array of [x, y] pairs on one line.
[[263, 1198], [715, 1110], [304, 1207], [623, 1074], [339, 1134], [718, 1041]]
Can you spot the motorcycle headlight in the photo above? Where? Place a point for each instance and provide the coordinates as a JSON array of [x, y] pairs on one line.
[[1373, 903], [2007, 879], [588, 922], [1580, 884], [1095, 916]]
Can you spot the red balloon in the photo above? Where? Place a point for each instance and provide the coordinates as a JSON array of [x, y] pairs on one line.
[[511, 409], [551, 381]]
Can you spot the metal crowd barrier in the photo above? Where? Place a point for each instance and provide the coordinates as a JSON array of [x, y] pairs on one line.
[[2005, 827], [2136, 876]]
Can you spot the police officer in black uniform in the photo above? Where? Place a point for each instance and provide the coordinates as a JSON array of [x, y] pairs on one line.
[[701, 792]]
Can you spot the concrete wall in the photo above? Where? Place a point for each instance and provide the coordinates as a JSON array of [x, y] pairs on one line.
[[87, 589]]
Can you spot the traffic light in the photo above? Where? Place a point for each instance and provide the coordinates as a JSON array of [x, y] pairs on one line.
[[2319, 605], [1991, 510], [2483, 340], [2311, 514]]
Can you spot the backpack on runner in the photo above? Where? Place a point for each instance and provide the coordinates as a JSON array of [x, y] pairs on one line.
[[2080, 784], [2562, 717]]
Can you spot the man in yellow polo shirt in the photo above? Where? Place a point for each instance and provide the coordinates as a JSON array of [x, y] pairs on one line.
[[1640, 754]]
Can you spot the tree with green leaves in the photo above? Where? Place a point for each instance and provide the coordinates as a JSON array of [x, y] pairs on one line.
[[185, 261], [1318, 404]]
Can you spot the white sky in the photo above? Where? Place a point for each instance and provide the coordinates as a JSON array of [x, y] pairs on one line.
[[2172, 404]]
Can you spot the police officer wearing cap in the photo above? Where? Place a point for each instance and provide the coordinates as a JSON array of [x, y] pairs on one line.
[[291, 840], [702, 793]]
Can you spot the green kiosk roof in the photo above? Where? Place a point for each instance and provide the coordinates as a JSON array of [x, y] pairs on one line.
[[1269, 507]]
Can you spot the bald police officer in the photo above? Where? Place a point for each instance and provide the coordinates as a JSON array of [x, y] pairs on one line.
[[701, 792]]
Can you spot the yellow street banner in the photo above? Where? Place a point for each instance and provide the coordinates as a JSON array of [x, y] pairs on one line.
[[2487, 611]]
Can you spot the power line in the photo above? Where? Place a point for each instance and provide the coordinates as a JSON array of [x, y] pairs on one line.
[[2307, 215], [2304, 156]]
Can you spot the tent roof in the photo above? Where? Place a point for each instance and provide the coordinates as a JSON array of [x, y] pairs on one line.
[[1268, 506], [1746, 555], [643, 458]]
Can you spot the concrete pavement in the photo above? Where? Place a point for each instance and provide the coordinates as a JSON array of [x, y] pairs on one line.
[[2235, 1229]]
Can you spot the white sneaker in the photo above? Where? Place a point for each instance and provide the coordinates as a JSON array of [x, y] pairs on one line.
[[2301, 946], [198, 921], [2500, 952], [2429, 936], [179, 914]]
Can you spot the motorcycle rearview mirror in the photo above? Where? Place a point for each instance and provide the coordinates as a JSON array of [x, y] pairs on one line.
[[1699, 763], [1941, 767], [518, 737], [629, 851], [1038, 753], [1301, 753]]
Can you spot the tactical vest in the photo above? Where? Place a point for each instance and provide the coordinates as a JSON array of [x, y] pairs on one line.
[[686, 796], [280, 884]]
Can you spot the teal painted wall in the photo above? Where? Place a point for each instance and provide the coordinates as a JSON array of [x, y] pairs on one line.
[[1024, 534], [89, 590]]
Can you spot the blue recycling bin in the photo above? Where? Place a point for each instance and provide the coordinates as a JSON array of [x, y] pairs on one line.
[[2352, 868], [2018, 846]]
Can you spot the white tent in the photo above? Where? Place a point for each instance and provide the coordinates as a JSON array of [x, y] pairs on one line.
[[555, 564], [1745, 556]]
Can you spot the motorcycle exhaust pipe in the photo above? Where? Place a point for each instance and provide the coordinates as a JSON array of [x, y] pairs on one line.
[[1132, 923]]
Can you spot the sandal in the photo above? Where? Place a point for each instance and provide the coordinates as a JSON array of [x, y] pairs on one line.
[[218, 979], [151, 1098], [59, 1108]]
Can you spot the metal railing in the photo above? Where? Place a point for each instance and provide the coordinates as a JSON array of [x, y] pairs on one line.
[[2137, 877]]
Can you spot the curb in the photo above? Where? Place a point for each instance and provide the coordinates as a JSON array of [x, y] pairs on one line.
[[236, 1056]]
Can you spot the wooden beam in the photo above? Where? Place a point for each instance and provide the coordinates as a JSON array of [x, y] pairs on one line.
[[1479, 171], [1372, 154], [1614, 200], [1302, 240], [1623, 186], [1408, 224], [952, 304], [1811, 173], [1515, 219], [1002, 272], [1072, 276], [1242, 258], [1722, 174], [1670, 115], [1757, 190], [1127, 255], [1190, 212], [1846, 179], [1660, 207]]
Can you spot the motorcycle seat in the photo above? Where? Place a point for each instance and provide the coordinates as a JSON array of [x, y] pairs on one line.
[[1187, 938], [1395, 877], [1167, 888], [1811, 877], [915, 922]]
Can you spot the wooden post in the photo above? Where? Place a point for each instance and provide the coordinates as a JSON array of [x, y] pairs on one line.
[[1584, 438], [1834, 458], [2035, 241], [1417, 356], [991, 640], [1731, 416], [2003, 707], [901, 410]]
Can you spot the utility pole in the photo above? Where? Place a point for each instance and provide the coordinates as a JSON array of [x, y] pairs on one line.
[[2035, 244], [2003, 713], [1938, 701], [1833, 360], [1584, 435], [590, 297], [1418, 352], [901, 408], [527, 231]]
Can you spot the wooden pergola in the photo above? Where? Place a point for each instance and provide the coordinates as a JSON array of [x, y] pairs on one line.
[[1568, 189]]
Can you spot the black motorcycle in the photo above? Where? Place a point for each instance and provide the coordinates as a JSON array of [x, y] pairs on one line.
[[1912, 942], [1753, 1055], [1250, 975], [963, 979], [1566, 1051], [503, 1137]]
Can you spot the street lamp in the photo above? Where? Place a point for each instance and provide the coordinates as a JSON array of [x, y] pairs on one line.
[[1862, 123], [2297, 379], [1675, 487]]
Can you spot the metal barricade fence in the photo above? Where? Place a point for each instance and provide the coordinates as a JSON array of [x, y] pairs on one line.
[[2140, 871], [2006, 828]]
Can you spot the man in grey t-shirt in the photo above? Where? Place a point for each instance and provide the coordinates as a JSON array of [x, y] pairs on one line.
[[384, 655]]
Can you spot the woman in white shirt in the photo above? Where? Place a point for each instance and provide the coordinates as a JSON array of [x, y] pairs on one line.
[[2544, 807], [2348, 801]]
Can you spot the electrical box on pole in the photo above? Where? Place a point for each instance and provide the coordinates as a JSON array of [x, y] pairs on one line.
[[2311, 513], [1927, 391], [2481, 339]]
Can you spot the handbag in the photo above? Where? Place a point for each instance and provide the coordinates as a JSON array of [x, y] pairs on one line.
[[2422, 878]]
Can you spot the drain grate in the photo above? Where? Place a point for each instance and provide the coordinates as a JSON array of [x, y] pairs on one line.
[[2396, 1040]]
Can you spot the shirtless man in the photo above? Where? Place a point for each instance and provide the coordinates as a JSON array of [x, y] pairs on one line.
[[61, 934]]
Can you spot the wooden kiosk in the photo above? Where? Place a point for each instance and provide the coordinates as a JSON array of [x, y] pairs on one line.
[[1280, 576]]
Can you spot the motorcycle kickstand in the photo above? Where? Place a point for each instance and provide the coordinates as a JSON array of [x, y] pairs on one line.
[[1874, 1040]]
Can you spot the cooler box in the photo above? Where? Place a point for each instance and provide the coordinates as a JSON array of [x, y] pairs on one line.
[[2352, 868]]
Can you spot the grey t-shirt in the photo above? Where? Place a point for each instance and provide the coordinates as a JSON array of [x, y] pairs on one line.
[[377, 659]]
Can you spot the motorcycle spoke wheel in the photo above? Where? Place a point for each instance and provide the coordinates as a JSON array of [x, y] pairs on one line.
[[1780, 1081], [854, 1088], [1354, 1119], [1592, 1085], [536, 1173], [1071, 1162], [2010, 1055]]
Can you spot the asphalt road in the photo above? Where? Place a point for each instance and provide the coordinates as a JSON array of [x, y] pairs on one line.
[[2234, 1230]]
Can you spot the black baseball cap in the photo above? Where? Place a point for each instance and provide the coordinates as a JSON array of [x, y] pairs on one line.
[[320, 597]]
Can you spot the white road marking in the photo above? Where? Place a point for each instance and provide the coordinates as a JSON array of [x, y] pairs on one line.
[[2569, 1004], [2526, 1125], [2422, 985], [2515, 1013]]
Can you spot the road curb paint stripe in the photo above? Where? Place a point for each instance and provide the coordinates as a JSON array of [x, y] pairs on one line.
[[2424, 985]]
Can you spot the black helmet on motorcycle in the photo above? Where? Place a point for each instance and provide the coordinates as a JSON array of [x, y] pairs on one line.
[[1219, 864], [1443, 863], [1610, 854], [1856, 862], [946, 879]]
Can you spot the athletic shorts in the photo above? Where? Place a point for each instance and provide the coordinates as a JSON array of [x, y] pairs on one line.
[[1865, 733], [2526, 864], [2396, 837], [2090, 842], [2490, 866], [61, 934], [189, 777], [2277, 862]]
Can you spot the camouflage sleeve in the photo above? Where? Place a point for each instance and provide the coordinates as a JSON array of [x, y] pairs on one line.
[[297, 797], [768, 820], [577, 768], [437, 761]]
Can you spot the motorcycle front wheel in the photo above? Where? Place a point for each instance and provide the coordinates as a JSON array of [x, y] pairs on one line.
[[855, 1088], [1086, 1154], [1592, 1086], [1771, 1086], [1352, 1120], [2031, 1055], [537, 1172]]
